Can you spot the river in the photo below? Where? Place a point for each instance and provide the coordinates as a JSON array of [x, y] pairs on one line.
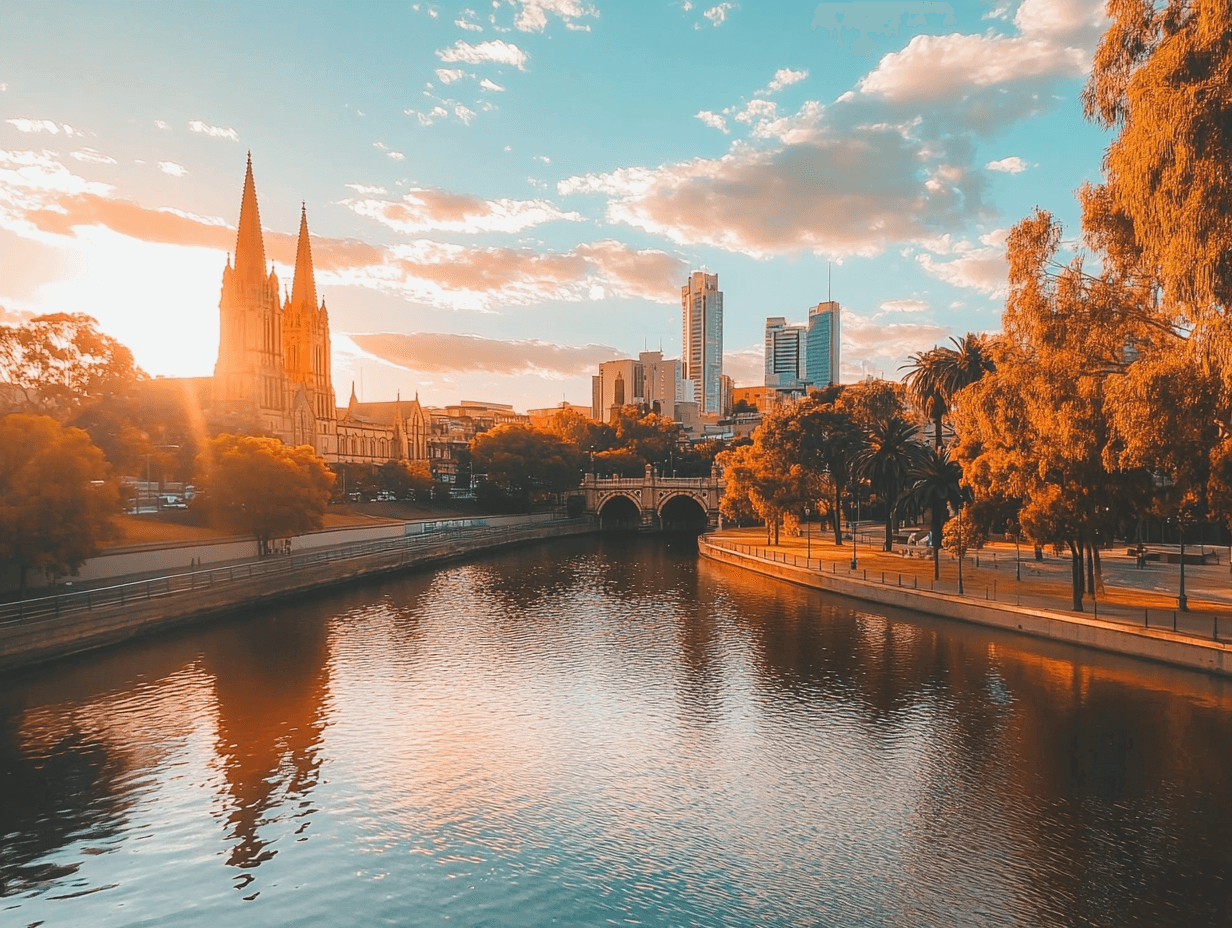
[[605, 731]]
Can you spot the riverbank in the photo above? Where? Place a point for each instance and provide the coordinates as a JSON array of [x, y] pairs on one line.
[[50, 627], [1181, 648]]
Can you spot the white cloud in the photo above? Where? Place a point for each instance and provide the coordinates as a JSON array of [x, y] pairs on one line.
[[713, 120], [464, 113], [825, 188], [215, 132], [468, 25], [746, 365], [1010, 165], [3, 87], [91, 156], [438, 353], [1070, 22], [903, 306], [159, 124], [983, 269], [871, 346], [757, 110], [940, 67], [396, 155], [497, 51], [544, 158], [718, 14], [170, 167], [36, 180], [42, 125], [431, 210], [785, 77], [449, 75], [533, 15], [363, 190], [491, 86]]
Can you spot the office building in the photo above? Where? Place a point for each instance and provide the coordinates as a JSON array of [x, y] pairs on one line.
[[822, 362], [701, 302], [786, 356]]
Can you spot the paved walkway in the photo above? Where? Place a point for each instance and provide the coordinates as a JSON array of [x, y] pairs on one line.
[[1130, 595]]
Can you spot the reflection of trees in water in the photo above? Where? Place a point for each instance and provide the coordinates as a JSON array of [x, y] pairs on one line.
[[62, 788], [1050, 777], [271, 679]]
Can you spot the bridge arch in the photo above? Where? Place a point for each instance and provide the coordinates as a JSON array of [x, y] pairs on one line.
[[620, 512], [683, 512]]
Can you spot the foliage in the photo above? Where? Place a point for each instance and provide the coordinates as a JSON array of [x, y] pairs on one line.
[[261, 487], [650, 436], [935, 485], [583, 431], [55, 364], [1162, 76], [887, 460], [56, 504], [526, 462], [963, 533], [870, 403], [618, 462]]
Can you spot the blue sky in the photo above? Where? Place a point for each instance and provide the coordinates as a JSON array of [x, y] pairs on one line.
[[504, 194]]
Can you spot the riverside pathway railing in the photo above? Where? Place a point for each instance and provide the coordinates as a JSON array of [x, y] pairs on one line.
[[187, 582], [1158, 619]]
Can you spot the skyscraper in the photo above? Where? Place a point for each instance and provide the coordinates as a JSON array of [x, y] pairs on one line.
[[701, 302], [822, 365], [786, 356]]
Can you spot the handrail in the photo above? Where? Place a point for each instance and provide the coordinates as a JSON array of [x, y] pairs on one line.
[[45, 608]]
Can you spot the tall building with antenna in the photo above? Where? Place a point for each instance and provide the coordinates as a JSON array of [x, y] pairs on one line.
[[822, 364], [701, 347]]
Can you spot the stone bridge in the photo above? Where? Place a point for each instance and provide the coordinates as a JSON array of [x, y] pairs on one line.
[[653, 503]]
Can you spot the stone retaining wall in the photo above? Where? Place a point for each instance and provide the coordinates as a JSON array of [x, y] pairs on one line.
[[149, 609], [1152, 644]]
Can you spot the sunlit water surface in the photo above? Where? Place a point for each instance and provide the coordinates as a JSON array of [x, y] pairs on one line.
[[601, 732]]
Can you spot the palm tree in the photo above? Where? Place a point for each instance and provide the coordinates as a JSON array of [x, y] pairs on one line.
[[936, 485], [937, 376], [886, 462], [924, 387]]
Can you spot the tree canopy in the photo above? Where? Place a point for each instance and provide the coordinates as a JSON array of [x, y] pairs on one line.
[[526, 462], [56, 503], [261, 487], [55, 364]]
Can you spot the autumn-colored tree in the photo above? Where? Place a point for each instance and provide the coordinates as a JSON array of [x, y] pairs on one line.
[[583, 431], [618, 462], [56, 502], [1162, 76], [936, 377], [650, 436], [55, 364], [261, 487], [526, 462], [872, 402], [739, 474], [963, 533], [1036, 429]]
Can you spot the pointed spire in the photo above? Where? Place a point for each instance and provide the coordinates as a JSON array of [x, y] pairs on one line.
[[249, 245], [303, 287]]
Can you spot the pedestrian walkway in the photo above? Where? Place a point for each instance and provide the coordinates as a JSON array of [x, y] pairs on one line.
[[1144, 596]]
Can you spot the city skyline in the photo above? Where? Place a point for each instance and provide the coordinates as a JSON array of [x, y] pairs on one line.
[[503, 198]]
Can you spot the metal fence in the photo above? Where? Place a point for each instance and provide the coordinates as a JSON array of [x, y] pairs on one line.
[[45, 608]]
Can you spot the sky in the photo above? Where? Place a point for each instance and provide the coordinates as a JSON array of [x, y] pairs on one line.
[[504, 194]]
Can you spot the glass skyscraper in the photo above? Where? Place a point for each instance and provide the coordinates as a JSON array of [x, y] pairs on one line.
[[701, 303], [822, 351]]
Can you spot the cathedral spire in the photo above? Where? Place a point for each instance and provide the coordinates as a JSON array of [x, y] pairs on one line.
[[303, 287], [249, 245]]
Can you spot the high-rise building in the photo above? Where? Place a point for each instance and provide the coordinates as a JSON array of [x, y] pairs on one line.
[[786, 355], [650, 381], [822, 367], [701, 302]]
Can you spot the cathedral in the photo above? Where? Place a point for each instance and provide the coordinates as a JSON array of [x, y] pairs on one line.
[[273, 371]]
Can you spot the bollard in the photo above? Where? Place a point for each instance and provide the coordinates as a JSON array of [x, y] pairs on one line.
[[883, 578], [1174, 621], [865, 573], [1215, 632], [1146, 618], [900, 579]]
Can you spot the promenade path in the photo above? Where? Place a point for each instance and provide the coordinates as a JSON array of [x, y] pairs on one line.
[[1131, 595]]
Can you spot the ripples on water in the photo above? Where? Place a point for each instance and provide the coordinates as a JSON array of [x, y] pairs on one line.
[[606, 732]]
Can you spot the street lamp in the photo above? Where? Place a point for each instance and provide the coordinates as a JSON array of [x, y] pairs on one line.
[[808, 529], [960, 551], [853, 541]]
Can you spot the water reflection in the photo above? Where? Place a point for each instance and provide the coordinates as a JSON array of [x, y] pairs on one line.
[[606, 731]]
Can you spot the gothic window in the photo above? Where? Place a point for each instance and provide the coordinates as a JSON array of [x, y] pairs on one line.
[[383, 449]]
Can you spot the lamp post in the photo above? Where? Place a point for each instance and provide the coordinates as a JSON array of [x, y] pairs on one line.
[[853, 542], [960, 551], [808, 534], [1182, 601]]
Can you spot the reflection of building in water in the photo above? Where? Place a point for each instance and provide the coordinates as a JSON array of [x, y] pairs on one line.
[[270, 686]]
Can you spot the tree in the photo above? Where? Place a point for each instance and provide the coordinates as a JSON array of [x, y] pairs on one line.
[[1162, 76], [962, 533], [650, 436], [936, 485], [924, 389], [580, 430], [53, 365], [261, 487], [886, 461], [526, 462], [56, 503]]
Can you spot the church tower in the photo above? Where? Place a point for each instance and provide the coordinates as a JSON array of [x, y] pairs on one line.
[[305, 335], [250, 380]]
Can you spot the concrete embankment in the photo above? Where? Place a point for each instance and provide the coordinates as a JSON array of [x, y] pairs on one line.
[[50, 627], [1180, 650]]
